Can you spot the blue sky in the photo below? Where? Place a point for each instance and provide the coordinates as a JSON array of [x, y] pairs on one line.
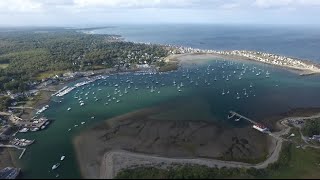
[[103, 12]]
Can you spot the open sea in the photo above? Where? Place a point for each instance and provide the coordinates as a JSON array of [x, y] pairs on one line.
[[249, 88]]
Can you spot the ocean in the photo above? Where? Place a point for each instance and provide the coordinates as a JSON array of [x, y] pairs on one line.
[[294, 41], [218, 85]]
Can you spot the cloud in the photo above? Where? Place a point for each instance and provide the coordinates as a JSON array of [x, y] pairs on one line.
[[286, 3], [87, 11], [134, 3], [24, 6]]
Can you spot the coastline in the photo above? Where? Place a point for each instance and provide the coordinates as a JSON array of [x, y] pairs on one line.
[[173, 62], [200, 56], [119, 159]]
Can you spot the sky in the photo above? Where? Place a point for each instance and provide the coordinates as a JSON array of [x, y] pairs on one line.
[[106, 12]]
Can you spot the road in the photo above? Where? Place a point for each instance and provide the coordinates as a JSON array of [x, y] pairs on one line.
[[115, 161]]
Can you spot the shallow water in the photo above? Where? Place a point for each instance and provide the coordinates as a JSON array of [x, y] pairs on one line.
[[267, 96]]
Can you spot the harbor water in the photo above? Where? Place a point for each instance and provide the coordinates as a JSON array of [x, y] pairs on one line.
[[203, 90]]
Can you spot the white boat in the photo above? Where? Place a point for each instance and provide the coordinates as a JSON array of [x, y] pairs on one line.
[[83, 123], [55, 166], [24, 130], [238, 97], [69, 109], [62, 158], [34, 129]]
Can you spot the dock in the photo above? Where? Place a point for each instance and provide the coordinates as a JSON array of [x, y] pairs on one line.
[[21, 107], [233, 114]]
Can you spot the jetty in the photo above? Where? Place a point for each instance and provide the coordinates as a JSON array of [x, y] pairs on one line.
[[234, 114], [21, 107]]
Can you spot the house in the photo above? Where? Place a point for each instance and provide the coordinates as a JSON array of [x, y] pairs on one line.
[[316, 137], [142, 66]]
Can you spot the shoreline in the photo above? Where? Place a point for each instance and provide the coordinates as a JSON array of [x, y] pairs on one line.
[[130, 159], [120, 159], [177, 58]]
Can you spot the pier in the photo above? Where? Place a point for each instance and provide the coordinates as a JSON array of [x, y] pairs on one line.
[[21, 107], [233, 114]]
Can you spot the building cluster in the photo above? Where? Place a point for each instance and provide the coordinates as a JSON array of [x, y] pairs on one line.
[[253, 55], [9, 173], [187, 50], [271, 59]]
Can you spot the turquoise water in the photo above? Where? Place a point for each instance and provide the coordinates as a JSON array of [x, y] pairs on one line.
[[267, 96]]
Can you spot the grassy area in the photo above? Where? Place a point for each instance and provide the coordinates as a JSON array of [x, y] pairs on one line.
[[293, 163], [3, 66], [48, 74], [304, 163], [33, 100], [168, 67], [98, 67], [297, 138]]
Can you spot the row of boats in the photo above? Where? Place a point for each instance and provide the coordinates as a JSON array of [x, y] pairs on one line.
[[21, 142], [65, 90], [37, 128], [44, 108]]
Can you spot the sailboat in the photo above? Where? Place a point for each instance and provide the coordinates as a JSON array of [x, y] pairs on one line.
[[267, 74]]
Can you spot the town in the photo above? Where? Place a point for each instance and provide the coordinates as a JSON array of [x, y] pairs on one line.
[[262, 57]]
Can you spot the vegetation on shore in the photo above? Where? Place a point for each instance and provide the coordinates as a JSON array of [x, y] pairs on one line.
[[4, 102], [293, 163], [28, 56], [311, 127]]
